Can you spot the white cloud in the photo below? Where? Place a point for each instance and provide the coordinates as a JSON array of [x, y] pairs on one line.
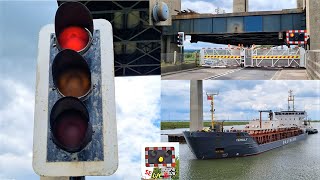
[[138, 104], [205, 6], [16, 129], [138, 114], [271, 5], [208, 6]]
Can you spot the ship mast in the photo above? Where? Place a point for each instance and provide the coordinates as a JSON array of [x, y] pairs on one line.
[[291, 98], [211, 97]]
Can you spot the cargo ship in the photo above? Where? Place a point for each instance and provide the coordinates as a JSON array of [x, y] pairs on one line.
[[281, 128]]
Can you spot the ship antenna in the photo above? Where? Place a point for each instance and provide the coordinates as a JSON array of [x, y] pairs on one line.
[[210, 96], [290, 98]]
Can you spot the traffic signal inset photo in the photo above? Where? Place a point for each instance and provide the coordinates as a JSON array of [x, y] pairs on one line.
[[160, 160], [160, 157]]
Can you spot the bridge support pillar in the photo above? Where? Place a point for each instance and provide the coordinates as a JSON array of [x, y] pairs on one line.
[[313, 23], [301, 4], [196, 105], [240, 6]]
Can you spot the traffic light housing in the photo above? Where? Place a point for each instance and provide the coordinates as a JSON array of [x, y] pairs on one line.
[[75, 132], [297, 37], [180, 39]]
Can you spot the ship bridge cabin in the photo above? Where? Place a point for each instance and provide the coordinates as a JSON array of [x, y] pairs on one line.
[[290, 118], [280, 119]]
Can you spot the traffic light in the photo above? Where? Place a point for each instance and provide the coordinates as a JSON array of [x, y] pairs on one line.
[[297, 37], [180, 38], [75, 132]]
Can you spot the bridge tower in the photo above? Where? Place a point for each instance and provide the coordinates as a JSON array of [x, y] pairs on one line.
[[240, 6]]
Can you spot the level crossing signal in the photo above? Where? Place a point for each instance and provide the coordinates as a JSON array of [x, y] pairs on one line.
[[297, 37]]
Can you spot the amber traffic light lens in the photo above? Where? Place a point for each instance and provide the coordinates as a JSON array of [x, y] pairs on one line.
[[292, 35], [160, 159], [71, 74], [74, 82], [75, 38]]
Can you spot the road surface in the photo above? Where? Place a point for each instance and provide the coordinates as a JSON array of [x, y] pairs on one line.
[[238, 74]]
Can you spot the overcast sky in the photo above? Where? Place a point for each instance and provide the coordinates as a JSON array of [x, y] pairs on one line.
[[240, 100], [137, 98]]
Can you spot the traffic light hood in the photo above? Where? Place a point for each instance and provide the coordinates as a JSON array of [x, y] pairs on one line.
[[73, 14]]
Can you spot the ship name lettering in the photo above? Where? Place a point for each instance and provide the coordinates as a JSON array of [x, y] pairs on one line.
[[241, 139]]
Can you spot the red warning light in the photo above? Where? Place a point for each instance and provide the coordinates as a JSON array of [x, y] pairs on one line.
[[291, 35], [73, 37]]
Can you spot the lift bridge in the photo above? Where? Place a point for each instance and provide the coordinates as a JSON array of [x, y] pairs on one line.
[[247, 28]]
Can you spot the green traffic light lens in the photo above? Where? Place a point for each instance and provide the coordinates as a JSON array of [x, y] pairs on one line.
[[69, 124], [70, 129]]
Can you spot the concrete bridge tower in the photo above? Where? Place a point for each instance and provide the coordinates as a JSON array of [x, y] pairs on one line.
[[240, 6]]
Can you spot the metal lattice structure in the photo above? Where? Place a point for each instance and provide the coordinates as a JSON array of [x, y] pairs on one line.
[[137, 45]]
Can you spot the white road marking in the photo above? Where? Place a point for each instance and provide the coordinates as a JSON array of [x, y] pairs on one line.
[[276, 75], [223, 74]]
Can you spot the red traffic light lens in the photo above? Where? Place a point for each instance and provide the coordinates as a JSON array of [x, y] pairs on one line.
[[74, 37], [70, 129]]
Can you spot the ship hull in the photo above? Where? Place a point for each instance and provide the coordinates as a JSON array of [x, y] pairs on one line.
[[216, 145]]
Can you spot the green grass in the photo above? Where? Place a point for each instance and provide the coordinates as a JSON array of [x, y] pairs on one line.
[[174, 125], [189, 58]]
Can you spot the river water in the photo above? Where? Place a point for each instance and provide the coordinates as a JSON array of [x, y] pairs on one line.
[[296, 161]]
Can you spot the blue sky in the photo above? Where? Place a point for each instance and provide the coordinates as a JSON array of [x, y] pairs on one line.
[[137, 98], [240, 100]]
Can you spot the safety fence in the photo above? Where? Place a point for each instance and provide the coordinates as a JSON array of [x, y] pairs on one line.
[[220, 57], [253, 57]]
